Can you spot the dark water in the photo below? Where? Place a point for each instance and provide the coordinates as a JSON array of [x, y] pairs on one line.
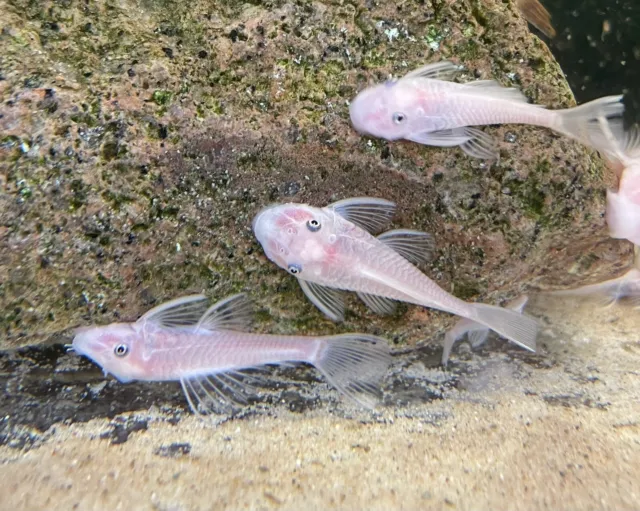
[[598, 46]]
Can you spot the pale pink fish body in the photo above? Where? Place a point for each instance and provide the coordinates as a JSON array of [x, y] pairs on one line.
[[610, 291], [206, 350], [425, 107], [622, 149], [326, 250]]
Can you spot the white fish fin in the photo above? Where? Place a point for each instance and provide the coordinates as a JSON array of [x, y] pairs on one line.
[[478, 337], [476, 332], [479, 145], [444, 70], [216, 393], [453, 334], [491, 88], [516, 327], [355, 364], [632, 142], [232, 313], [328, 300], [442, 138], [379, 304], [183, 311], [582, 122], [369, 213], [474, 142], [415, 246]]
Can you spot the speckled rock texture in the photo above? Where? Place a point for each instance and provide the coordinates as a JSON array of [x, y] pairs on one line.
[[138, 139]]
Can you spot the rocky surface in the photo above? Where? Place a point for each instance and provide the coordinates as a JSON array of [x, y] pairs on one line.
[[137, 141]]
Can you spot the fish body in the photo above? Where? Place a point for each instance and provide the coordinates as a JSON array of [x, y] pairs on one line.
[[609, 292], [426, 107], [207, 350], [330, 248], [622, 149]]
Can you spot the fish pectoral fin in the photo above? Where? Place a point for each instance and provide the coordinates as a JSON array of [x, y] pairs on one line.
[[232, 313], [369, 213], [379, 304], [219, 392], [415, 246], [444, 70], [328, 300], [441, 138], [479, 145], [472, 141], [183, 311]]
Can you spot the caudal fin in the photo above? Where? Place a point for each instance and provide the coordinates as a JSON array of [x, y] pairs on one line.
[[583, 121], [355, 364], [519, 329]]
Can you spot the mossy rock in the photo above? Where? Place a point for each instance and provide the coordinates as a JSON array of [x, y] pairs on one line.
[[139, 138]]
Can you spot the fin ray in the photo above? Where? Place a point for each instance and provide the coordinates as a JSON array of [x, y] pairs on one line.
[[328, 300], [369, 213], [415, 246]]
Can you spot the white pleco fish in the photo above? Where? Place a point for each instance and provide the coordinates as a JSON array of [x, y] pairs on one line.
[[476, 332], [206, 349], [426, 107], [609, 292], [622, 149], [330, 248]]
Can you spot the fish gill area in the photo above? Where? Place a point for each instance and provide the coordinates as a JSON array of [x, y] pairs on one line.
[[137, 140]]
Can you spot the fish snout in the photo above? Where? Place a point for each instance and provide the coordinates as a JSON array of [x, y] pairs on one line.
[[262, 224]]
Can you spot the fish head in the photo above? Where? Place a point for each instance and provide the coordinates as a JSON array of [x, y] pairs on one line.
[[384, 111], [116, 348], [300, 239]]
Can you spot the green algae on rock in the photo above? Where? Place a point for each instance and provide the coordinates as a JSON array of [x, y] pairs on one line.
[[139, 138]]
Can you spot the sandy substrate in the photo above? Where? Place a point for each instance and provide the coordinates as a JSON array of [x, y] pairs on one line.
[[560, 433]]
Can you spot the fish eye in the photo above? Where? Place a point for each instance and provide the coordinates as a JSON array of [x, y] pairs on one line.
[[121, 350], [295, 269], [399, 117], [313, 225]]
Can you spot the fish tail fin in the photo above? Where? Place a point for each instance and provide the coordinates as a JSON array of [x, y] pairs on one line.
[[511, 324], [584, 123], [355, 364]]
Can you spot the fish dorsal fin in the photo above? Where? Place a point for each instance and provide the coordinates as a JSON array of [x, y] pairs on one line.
[[491, 88], [183, 311], [232, 313], [328, 300], [379, 304], [369, 213], [444, 70], [415, 246]]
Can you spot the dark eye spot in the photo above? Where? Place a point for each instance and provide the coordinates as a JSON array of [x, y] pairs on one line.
[[313, 225], [295, 269], [121, 350], [399, 117]]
